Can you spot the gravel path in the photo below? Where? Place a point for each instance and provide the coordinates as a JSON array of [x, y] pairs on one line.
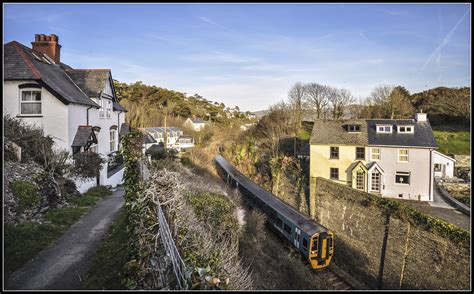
[[64, 263]]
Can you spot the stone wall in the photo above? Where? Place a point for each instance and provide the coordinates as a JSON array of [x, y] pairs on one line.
[[388, 245]]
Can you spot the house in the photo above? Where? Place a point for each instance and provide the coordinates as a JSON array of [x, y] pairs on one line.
[[77, 107], [195, 124], [245, 127], [184, 142], [158, 134], [390, 158], [443, 165]]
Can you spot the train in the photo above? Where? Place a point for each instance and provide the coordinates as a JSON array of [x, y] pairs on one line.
[[312, 240]]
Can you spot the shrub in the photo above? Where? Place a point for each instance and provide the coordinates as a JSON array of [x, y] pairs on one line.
[[26, 194], [87, 164]]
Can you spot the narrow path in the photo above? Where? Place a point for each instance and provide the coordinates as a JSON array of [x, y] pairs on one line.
[[63, 264]]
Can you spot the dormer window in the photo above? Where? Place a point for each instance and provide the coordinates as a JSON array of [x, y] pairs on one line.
[[405, 129], [353, 128], [384, 129]]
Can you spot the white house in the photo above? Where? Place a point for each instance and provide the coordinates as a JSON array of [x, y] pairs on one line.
[[443, 165], [158, 134], [195, 124], [388, 157], [184, 142], [77, 107]]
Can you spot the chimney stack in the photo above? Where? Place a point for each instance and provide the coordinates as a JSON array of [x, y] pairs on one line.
[[47, 45], [420, 117]]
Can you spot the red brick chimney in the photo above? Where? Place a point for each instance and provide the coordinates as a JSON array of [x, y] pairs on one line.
[[47, 45]]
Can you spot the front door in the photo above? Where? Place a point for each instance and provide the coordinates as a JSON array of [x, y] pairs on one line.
[[297, 237]]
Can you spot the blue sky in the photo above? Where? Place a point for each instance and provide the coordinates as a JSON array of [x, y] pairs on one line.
[[251, 54]]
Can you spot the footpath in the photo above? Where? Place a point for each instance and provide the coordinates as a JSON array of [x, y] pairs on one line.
[[64, 263]]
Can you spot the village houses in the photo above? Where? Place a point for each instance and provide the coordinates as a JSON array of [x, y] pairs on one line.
[[388, 157], [195, 124], [77, 107]]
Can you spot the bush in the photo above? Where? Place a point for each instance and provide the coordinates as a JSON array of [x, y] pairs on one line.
[[87, 164], [26, 194]]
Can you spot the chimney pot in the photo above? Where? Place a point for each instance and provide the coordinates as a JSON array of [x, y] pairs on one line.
[[420, 117], [47, 44]]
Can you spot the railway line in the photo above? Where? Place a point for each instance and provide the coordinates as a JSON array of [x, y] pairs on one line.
[[256, 197]]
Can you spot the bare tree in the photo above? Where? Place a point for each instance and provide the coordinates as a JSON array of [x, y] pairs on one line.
[[274, 126], [392, 102], [317, 97], [296, 101], [339, 100]]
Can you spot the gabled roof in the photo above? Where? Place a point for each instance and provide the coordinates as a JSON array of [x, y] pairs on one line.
[[124, 129], [21, 64], [373, 165], [91, 81], [421, 137], [326, 131], [84, 135], [117, 107]]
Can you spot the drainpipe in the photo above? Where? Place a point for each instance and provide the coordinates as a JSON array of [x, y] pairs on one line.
[[88, 114], [431, 176]]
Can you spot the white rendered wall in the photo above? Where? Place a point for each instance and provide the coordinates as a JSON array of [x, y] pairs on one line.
[[447, 164], [419, 166]]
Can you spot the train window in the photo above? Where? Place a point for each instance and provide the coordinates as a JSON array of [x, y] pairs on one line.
[[287, 229], [305, 243], [279, 222], [315, 244]]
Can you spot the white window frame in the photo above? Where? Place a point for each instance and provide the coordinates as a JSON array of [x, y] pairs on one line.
[[379, 182], [404, 174], [372, 153], [109, 108], [112, 134], [383, 129], [31, 101], [101, 109], [411, 131], [362, 186], [94, 148], [353, 128], [403, 155]]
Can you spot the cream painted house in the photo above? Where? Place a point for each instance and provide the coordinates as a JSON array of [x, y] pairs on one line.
[[390, 158], [77, 107]]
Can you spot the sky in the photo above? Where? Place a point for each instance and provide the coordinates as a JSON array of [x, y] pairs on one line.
[[250, 55]]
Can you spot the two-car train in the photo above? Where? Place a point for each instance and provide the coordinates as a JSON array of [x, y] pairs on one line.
[[314, 241]]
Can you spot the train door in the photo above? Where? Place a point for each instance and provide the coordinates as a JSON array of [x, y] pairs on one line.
[[297, 237]]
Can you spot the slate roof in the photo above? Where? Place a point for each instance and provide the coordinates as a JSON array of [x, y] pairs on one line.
[[162, 130], [148, 139], [21, 64], [91, 81], [422, 136], [334, 132], [117, 107], [124, 129], [82, 136], [327, 131]]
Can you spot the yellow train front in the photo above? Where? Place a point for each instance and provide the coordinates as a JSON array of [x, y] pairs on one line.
[[313, 240]]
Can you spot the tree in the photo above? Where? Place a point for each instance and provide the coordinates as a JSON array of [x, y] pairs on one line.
[[317, 97], [392, 101], [296, 101], [339, 100]]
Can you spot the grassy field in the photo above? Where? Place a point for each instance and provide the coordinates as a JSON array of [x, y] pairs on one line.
[[24, 241], [106, 270], [453, 142]]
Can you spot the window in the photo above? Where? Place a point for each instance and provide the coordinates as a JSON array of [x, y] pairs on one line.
[[402, 178], [375, 181], [437, 167], [334, 153], [279, 222], [109, 108], [287, 228], [360, 153], [405, 129], [360, 180], [314, 246], [112, 140], [353, 128], [375, 154], [305, 243], [384, 129], [101, 109], [402, 155], [334, 172], [30, 102]]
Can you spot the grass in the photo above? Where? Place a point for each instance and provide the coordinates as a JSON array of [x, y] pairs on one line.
[[453, 142], [24, 241], [105, 272]]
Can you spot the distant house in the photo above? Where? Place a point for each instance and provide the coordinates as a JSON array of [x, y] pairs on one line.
[[247, 126], [158, 134], [184, 142], [387, 157], [77, 107], [443, 165], [195, 124]]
